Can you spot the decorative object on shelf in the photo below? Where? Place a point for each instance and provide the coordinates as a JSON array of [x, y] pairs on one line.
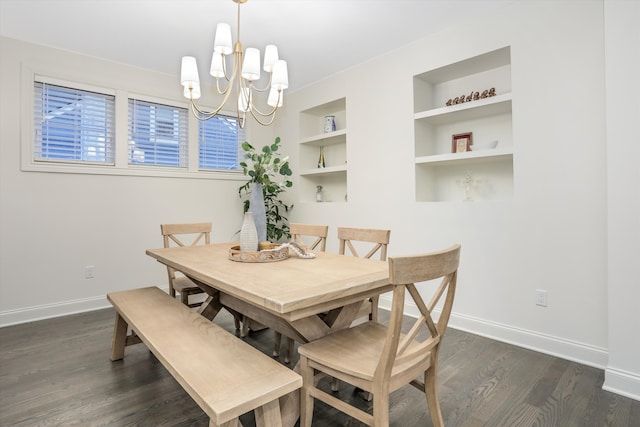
[[484, 146], [248, 234], [329, 124], [242, 78], [461, 142], [473, 96], [319, 195], [263, 168], [468, 183], [321, 158]]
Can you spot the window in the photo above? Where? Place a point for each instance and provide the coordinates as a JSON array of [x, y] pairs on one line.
[[219, 139], [72, 125], [157, 134]]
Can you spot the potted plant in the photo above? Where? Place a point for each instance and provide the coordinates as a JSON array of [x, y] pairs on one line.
[[269, 176]]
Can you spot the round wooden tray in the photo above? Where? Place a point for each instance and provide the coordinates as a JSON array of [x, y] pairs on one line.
[[265, 255]]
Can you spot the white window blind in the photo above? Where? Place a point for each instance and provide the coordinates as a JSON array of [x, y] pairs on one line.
[[157, 134], [219, 141], [72, 125]]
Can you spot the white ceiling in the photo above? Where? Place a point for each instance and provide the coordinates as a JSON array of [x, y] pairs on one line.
[[317, 38]]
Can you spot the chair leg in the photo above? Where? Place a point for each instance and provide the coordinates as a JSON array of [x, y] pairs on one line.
[[245, 327], [306, 400], [236, 321], [184, 297], [277, 340], [290, 347], [374, 308], [431, 391], [335, 384], [381, 406]]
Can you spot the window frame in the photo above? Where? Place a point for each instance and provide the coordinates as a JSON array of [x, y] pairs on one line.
[[32, 71], [84, 144], [241, 137], [185, 151]]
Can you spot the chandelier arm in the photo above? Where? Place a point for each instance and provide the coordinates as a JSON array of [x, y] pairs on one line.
[[259, 120], [224, 70], [264, 89], [241, 121], [270, 113], [201, 114]]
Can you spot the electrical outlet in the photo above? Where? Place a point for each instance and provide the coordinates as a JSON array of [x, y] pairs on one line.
[[541, 297], [89, 272]]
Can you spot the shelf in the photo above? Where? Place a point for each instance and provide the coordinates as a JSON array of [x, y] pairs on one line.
[[325, 171], [324, 139], [332, 178], [495, 105], [468, 157], [438, 172]]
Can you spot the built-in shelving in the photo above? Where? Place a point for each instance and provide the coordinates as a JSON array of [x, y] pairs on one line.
[[439, 172], [332, 177]]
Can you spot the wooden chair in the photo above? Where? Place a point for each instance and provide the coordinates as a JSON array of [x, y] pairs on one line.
[[171, 234], [300, 233], [380, 238], [380, 359]]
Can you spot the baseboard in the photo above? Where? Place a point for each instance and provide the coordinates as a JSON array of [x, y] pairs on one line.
[[623, 383], [543, 343], [48, 311]]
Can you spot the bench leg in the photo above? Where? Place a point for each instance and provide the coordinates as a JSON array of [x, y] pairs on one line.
[[119, 339], [268, 415]]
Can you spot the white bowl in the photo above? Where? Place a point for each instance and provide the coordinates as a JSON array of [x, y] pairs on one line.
[[484, 146]]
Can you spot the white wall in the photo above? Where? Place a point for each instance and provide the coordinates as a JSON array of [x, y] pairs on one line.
[[553, 234], [622, 44], [52, 225]]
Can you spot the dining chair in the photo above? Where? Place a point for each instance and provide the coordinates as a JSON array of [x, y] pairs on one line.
[[196, 233], [380, 238], [380, 358], [302, 234], [173, 235]]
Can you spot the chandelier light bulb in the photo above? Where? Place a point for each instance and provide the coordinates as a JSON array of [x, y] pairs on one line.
[[251, 65], [280, 79], [195, 92], [189, 72], [222, 41], [270, 57], [275, 96], [217, 68]]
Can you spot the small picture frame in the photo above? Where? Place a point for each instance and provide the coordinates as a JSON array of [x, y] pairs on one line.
[[461, 143]]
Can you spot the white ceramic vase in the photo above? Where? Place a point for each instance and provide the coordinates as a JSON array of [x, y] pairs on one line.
[[248, 234], [257, 208]]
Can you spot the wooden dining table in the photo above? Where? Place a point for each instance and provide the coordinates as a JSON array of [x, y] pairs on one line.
[[304, 299]]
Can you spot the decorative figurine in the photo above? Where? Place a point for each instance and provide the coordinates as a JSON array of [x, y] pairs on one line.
[[319, 195]]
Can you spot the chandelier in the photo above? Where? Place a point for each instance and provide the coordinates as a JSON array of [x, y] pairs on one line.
[[242, 84]]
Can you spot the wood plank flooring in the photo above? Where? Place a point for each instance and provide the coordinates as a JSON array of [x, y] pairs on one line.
[[57, 372]]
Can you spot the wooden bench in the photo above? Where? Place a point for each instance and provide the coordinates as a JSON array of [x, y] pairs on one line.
[[224, 375]]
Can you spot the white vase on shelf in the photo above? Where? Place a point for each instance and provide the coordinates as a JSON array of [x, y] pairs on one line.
[[329, 124], [248, 234]]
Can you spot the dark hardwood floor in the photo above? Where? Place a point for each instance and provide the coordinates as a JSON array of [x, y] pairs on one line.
[[57, 372]]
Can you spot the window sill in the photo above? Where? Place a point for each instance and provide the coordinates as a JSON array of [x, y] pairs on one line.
[[146, 171]]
